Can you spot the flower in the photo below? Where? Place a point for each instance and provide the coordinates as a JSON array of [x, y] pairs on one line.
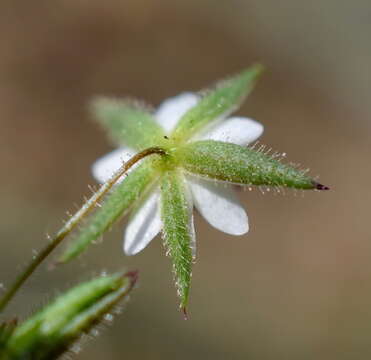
[[203, 152], [215, 201]]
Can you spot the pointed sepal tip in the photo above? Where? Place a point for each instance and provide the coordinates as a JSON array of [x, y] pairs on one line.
[[183, 309], [132, 276], [319, 186]]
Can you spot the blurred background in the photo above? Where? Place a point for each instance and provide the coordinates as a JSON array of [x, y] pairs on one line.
[[298, 286]]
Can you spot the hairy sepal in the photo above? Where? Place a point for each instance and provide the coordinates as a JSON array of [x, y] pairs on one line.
[[116, 205], [178, 234], [128, 123], [217, 103], [240, 165]]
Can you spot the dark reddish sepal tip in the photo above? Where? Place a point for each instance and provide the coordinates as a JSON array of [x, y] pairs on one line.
[[133, 277], [319, 186], [184, 311]]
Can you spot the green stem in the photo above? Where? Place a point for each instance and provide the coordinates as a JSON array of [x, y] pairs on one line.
[[72, 222]]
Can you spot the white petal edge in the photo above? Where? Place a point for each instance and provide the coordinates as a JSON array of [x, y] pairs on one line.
[[107, 165], [219, 205], [171, 110], [236, 130], [191, 227], [144, 224]]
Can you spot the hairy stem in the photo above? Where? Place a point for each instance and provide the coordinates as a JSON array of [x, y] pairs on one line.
[[71, 224]]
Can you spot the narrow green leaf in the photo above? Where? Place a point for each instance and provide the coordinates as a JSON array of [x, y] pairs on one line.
[[93, 313], [222, 101], [127, 123], [178, 234], [116, 205], [51, 331], [59, 314], [6, 330], [241, 165]]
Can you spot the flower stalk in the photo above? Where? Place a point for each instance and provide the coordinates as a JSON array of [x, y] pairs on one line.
[[71, 224]]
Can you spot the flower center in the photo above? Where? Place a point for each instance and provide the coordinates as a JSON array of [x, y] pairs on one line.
[[169, 161]]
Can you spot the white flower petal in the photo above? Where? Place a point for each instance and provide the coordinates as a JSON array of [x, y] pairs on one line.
[[108, 164], [219, 205], [171, 110], [144, 224], [236, 130]]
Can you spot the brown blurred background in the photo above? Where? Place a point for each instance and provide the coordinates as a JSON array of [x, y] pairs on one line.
[[298, 286]]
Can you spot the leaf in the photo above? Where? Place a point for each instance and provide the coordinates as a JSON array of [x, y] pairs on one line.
[[116, 205], [217, 103], [6, 330], [236, 164], [50, 332], [127, 123], [178, 233]]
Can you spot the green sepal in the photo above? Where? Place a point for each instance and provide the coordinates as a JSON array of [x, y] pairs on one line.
[[116, 205], [50, 332], [237, 164], [128, 123], [222, 101], [176, 214]]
